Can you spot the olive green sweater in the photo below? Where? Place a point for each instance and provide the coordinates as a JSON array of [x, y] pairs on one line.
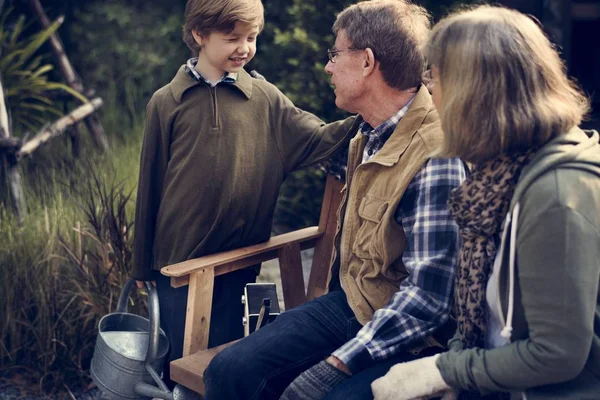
[[555, 349], [212, 162]]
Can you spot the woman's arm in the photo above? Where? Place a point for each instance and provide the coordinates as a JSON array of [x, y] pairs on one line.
[[558, 269]]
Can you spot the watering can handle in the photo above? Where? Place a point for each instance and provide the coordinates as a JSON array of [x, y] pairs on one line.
[[154, 315], [124, 296]]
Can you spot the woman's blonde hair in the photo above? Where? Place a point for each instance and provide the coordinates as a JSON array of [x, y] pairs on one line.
[[504, 88]]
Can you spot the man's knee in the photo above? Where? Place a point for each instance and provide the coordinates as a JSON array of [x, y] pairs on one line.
[[219, 370], [222, 376]]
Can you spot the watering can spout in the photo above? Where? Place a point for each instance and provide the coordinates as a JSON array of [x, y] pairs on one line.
[[147, 390], [179, 392]]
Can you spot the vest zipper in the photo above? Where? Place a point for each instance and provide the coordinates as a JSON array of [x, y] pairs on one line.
[[349, 176]]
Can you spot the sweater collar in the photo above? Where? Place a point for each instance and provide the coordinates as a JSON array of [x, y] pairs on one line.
[[191, 70], [183, 81]]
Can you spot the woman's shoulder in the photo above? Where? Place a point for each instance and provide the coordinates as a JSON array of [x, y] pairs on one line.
[[572, 189]]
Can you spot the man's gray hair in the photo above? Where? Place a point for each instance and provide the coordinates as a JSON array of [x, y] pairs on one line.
[[395, 30]]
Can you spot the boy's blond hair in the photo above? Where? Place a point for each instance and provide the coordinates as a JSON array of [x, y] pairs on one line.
[[504, 88], [208, 16]]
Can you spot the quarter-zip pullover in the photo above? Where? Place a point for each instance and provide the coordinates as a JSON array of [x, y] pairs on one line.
[[213, 160]]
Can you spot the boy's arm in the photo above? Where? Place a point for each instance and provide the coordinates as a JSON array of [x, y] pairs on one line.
[[303, 138], [153, 165]]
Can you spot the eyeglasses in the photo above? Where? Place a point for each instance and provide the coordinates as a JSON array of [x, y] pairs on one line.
[[332, 53], [428, 79]]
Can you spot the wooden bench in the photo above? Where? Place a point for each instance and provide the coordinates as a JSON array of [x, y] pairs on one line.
[[199, 274]]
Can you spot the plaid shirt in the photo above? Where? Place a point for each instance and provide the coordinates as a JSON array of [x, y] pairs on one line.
[[336, 165], [190, 68], [378, 136], [423, 301]]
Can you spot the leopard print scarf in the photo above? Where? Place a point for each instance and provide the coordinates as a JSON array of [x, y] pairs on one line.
[[479, 207]]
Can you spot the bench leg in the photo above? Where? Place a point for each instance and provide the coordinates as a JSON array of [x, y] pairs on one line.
[[199, 306], [292, 279]]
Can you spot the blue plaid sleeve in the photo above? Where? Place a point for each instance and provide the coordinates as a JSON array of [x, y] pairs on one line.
[[336, 165], [423, 300]]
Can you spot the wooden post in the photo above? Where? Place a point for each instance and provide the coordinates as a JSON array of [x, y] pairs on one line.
[[72, 78], [199, 308], [10, 161]]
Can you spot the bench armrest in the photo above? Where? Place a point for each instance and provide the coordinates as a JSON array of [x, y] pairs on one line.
[[236, 259]]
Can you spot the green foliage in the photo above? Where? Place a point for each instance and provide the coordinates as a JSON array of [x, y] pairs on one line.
[[25, 75], [63, 270], [299, 202], [292, 49], [292, 52], [130, 48]]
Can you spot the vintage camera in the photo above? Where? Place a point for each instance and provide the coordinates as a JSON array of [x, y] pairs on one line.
[[260, 306]]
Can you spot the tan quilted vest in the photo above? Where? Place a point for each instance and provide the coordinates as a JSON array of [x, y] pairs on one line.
[[370, 244]]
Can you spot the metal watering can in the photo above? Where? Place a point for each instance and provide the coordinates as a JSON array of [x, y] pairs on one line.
[[130, 353]]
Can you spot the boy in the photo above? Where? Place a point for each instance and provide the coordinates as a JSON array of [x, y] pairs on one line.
[[217, 146]]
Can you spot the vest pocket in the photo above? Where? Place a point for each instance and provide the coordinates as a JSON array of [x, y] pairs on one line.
[[370, 211]]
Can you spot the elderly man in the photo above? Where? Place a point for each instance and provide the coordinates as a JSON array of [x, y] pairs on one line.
[[391, 281]]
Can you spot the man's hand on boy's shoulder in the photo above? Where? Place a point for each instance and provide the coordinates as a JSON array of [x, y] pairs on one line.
[[256, 75]]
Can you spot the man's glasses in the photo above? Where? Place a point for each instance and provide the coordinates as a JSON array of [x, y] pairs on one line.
[[428, 79], [332, 53]]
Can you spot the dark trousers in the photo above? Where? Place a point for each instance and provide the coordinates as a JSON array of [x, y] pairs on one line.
[[226, 316], [263, 364]]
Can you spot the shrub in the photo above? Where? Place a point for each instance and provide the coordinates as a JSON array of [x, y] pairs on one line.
[[62, 271]]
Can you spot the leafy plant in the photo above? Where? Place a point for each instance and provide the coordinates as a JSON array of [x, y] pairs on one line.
[[25, 75], [299, 202], [130, 48], [63, 270]]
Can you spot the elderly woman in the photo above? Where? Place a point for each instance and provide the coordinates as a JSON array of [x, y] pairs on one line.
[[526, 291]]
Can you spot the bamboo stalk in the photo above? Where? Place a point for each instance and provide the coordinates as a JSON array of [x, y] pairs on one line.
[[15, 183], [4, 125], [72, 78], [59, 126], [74, 133]]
